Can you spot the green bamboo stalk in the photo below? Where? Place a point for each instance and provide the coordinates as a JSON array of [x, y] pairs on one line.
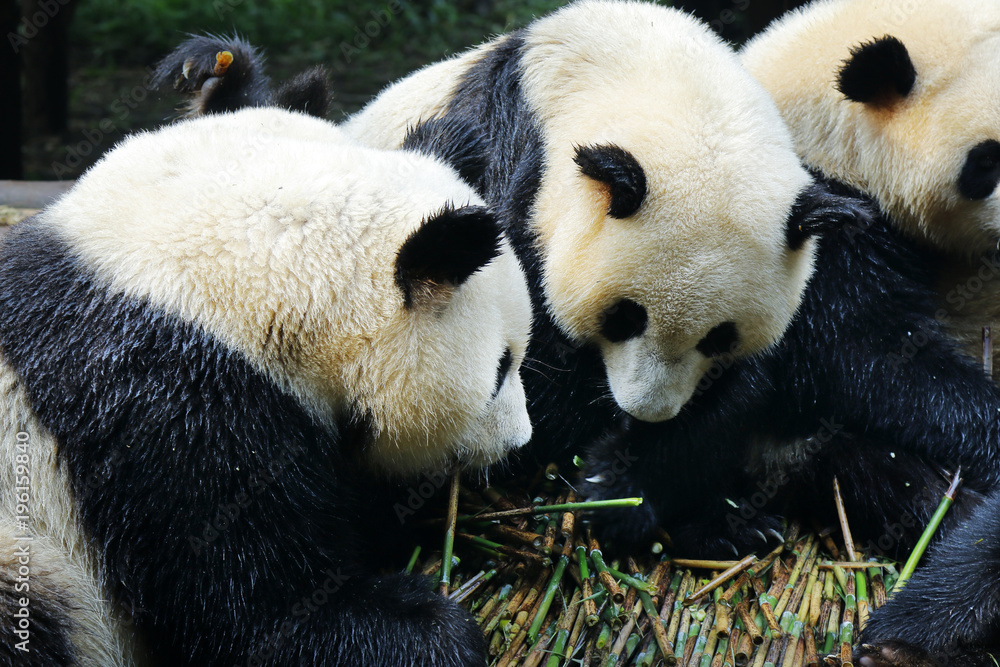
[[634, 582], [550, 593], [925, 537], [413, 560]]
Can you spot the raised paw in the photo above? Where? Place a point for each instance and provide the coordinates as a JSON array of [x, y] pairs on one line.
[[893, 654], [219, 74]]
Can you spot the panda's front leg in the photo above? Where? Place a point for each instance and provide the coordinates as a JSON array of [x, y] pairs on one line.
[[396, 620], [691, 483], [949, 612]]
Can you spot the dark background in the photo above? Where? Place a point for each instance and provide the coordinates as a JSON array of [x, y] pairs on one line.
[[74, 73]]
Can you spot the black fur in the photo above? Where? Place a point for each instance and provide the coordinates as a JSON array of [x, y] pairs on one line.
[[624, 320], [816, 211], [981, 171], [949, 612], [616, 168], [192, 69], [865, 371], [503, 368], [722, 339], [446, 249], [878, 72], [229, 516], [455, 142]]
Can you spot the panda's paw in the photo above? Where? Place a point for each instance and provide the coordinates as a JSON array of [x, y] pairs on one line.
[[892, 653], [418, 626], [618, 528], [728, 536]]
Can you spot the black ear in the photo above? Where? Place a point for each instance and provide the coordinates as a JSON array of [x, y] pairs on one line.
[[817, 210], [878, 72], [308, 92], [616, 168], [446, 249]]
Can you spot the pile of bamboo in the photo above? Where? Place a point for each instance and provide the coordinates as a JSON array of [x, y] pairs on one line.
[[543, 591]]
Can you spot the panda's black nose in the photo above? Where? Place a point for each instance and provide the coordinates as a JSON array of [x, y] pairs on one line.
[[720, 340], [624, 320]]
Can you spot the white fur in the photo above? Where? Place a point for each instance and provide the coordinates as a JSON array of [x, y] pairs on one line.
[[707, 246], [265, 219], [907, 155]]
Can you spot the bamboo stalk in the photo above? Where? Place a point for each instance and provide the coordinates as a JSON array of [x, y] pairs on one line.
[[632, 582], [844, 527], [609, 583], [574, 635], [539, 649], [504, 549], [550, 593], [473, 585], [862, 591], [560, 643], [413, 559], [847, 565], [676, 613], [744, 648], [811, 657], [449, 536], [740, 582], [847, 624], [925, 537], [693, 630], [512, 534], [749, 625], [546, 509], [697, 564], [728, 574]]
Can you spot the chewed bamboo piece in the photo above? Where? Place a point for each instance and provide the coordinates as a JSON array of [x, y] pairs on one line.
[[546, 593]]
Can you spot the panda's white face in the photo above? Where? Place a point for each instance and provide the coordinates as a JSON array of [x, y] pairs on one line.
[[441, 381], [663, 213], [902, 102], [288, 242]]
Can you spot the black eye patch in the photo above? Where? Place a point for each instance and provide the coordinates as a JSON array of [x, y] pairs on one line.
[[624, 320], [719, 341], [506, 361], [981, 171]]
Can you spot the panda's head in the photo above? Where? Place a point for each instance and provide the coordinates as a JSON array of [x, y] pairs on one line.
[[673, 216], [373, 285], [901, 100]]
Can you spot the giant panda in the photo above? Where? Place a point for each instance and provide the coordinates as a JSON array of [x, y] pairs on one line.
[[646, 183], [902, 102], [868, 383], [219, 353]]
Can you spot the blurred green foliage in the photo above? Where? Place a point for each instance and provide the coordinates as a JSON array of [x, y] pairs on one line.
[[393, 32]]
